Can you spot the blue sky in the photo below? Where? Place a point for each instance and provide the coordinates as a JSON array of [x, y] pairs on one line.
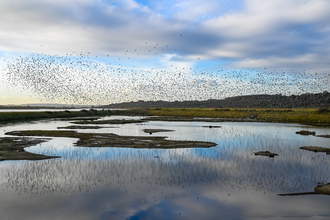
[[153, 43]]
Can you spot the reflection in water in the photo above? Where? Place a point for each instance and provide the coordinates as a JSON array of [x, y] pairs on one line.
[[226, 181]]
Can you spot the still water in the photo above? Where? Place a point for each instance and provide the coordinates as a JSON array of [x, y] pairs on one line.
[[222, 182]]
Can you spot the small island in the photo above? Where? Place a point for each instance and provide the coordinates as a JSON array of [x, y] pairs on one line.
[[320, 189], [12, 148], [114, 140], [265, 153], [150, 131], [316, 149]]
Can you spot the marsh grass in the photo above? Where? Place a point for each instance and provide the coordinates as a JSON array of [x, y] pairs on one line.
[[323, 110], [305, 116], [291, 115], [113, 140], [26, 116]]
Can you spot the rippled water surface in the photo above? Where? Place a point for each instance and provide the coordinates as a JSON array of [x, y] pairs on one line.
[[222, 182]]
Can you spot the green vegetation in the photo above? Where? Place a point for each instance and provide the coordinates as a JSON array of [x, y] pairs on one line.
[[320, 189], [26, 116]]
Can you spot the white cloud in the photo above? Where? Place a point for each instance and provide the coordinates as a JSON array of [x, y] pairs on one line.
[[300, 63], [224, 34], [259, 28]]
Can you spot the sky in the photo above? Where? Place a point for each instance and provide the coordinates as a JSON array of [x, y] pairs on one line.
[[108, 51]]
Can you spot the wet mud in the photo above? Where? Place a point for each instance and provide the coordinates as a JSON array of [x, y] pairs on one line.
[[323, 136], [321, 189], [306, 133], [316, 149], [265, 153], [150, 131], [12, 148]]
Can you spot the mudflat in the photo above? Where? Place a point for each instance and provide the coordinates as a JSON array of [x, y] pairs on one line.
[[316, 149], [113, 140], [12, 148]]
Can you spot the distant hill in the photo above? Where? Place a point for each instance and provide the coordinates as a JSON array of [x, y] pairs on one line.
[[308, 100], [43, 105]]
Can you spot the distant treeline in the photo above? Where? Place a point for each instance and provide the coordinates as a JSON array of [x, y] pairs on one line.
[[308, 100]]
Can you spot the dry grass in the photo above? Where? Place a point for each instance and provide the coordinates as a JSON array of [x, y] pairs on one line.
[[292, 115], [306, 116], [25, 116]]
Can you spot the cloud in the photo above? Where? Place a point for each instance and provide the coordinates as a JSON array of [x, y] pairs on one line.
[[243, 29], [303, 62], [263, 30], [85, 25], [183, 34]]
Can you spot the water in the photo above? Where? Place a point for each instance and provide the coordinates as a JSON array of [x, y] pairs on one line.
[[222, 182]]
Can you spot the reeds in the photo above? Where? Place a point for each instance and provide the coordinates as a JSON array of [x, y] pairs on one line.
[[25, 116], [304, 116], [298, 115]]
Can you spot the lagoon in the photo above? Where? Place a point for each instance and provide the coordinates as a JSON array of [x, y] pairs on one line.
[[223, 182]]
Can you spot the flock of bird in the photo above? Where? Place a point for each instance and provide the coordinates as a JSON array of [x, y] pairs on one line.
[[134, 171], [83, 78]]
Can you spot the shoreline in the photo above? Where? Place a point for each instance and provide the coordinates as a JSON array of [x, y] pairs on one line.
[[312, 117], [308, 116], [16, 151], [12, 148]]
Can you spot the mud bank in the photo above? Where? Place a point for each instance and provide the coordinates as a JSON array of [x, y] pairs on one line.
[[316, 149], [12, 148], [150, 131], [321, 189], [265, 153], [113, 140]]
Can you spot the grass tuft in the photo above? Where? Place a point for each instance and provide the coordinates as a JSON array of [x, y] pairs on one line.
[[322, 110]]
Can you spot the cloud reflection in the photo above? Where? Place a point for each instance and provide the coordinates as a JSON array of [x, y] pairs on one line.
[[227, 180]]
